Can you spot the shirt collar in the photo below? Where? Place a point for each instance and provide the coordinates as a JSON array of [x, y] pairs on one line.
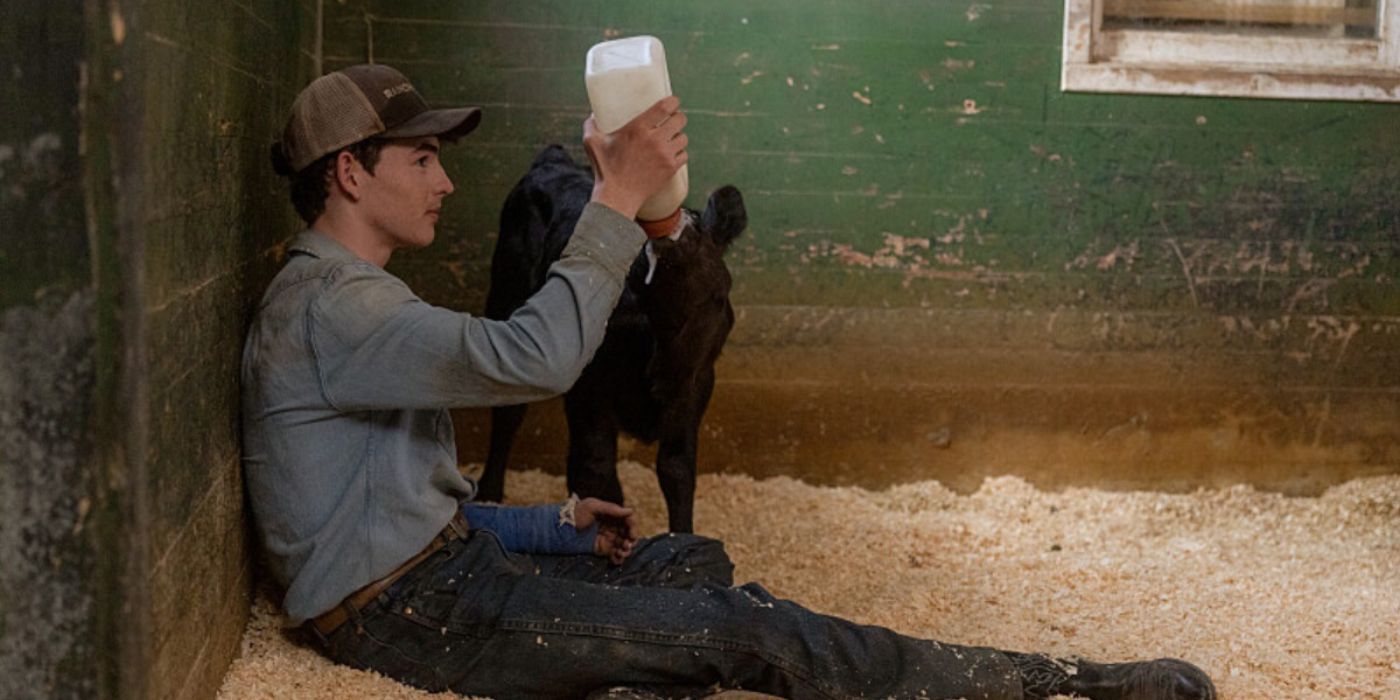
[[317, 244]]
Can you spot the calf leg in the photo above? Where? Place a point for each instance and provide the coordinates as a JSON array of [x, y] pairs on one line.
[[592, 466], [680, 441], [675, 469], [505, 423]]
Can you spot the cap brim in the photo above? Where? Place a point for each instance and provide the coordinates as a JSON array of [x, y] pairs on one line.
[[446, 124]]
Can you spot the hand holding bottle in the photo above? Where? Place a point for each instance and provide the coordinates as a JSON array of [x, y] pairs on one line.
[[636, 161]]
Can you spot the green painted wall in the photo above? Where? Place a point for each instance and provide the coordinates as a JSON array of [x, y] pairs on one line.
[[216, 82], [141, 222], [954, 269]]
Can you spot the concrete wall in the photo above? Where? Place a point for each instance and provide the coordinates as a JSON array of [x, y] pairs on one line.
[[141, 222], [58, 591], [217, 80], [953, 268]]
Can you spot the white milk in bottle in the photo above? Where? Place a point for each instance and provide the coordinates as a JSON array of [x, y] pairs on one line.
[[625, 77]]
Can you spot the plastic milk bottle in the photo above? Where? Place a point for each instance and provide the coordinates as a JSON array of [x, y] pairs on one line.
[[624, 77]]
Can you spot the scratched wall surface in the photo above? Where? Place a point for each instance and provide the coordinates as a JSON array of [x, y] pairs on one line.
[[53, 585], [953, 269], [141, 221], [215, 81]]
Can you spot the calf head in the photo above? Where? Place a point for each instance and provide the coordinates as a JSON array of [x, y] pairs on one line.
[[685, 293], [689, 270]]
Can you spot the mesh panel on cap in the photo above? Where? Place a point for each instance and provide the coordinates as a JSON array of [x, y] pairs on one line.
[[330, 114]]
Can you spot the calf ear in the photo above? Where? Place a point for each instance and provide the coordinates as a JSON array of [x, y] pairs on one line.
[[725, 217]]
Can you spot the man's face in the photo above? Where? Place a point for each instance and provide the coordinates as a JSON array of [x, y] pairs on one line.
[[403, 198]]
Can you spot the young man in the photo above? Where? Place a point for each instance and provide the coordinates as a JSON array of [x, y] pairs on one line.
[[352, 471]]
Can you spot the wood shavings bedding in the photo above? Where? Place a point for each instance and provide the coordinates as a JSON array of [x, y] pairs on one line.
[[1274, 597]]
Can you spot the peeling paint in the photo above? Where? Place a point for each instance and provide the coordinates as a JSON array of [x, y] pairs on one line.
[[1041, 152], [899, 245], [1332, 330], [916, 257], [1313, 290], [1127, 253], [956, 234]]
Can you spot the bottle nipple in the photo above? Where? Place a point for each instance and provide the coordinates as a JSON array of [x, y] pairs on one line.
[[661, 228]]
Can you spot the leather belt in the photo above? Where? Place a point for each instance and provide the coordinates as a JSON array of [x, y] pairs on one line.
[[332, 619]]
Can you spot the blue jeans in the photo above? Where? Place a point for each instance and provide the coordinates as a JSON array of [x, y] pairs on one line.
[[478, 620]]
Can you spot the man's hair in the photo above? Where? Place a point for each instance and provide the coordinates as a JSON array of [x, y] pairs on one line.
[[311, 185]]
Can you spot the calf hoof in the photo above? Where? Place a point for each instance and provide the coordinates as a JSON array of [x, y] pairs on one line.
[[1160, 679]]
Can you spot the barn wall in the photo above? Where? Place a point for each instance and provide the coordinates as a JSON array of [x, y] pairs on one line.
[[141, 221], [215, 80], [56, 596], [954, 269]]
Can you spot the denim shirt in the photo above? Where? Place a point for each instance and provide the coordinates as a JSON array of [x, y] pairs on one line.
[[348, 449]]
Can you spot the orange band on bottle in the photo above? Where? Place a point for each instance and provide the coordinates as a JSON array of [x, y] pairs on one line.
[[661, 228]]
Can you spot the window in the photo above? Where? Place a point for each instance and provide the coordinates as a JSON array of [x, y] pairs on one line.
[[1302, 49]]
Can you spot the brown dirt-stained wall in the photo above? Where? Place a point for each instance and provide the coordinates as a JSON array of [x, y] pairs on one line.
[[140, 221], [214, 81]]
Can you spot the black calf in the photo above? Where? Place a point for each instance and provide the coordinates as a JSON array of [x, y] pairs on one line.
[[653, 375]]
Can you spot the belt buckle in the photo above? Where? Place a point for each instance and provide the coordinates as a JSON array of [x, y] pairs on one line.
[[457, 526]]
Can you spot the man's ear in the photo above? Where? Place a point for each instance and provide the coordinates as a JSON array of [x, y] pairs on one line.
[[349, 175]]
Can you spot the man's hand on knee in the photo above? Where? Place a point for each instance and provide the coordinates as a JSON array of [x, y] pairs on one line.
[[617, 527]]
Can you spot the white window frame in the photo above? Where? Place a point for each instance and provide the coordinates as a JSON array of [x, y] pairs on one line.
[[1237, 65]]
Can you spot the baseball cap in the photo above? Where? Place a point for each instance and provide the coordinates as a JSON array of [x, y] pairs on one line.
[[355, 103]]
